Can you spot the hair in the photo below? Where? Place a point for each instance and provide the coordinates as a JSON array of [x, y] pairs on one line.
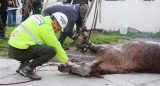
[[53, 18]]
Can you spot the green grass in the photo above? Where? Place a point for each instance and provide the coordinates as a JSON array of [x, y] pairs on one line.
[[96, 38], [101, 39], [144, 34], [3, 54], [4, 43]]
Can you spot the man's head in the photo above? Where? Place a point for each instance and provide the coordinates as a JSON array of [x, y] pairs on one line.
[[83, 10], [60, 21]]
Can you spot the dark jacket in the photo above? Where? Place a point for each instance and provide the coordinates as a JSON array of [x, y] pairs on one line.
[[4, 0], [14, 4], [72, 13], [38, 1], [78, 1]]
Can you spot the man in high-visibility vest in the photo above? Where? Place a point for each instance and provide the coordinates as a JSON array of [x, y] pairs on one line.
[[27, 43]]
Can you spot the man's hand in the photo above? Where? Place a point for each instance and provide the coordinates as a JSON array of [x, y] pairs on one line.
[[80, 39], [69, 63], [85, 35]]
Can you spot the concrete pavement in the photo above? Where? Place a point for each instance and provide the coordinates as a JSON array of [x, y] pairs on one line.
[[52, 77]]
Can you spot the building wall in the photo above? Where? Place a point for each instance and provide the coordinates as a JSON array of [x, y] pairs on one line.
[[143, 16]]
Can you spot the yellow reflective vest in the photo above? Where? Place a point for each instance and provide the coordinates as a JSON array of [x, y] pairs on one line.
[[42, 29]]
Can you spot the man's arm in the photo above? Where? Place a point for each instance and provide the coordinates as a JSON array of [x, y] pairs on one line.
[[46, 13], [48, 35], [73, 36], [50, 39], [49, 10]]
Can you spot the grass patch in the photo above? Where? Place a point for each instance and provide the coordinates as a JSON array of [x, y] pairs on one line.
[[4, 43], [96, 38], [1, 49], [107, 38], [4, 54], [144, 34]]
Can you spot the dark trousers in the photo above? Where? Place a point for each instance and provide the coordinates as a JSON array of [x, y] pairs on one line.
[[3, 17], [38, 54], [3, 12], [2, 29], [37, 8]]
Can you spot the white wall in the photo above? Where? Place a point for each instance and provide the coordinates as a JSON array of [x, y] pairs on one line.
[[143, 16], [19, 16]]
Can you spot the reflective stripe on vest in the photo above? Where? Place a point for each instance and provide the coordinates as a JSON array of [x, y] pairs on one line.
[[30, 33]]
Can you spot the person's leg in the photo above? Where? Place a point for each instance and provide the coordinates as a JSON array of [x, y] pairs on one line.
[[43, 54], [39, 54], [2, 26], [37, 8], [4, 12], [14, 18], [2, 30], [25, 11], [9, 18]]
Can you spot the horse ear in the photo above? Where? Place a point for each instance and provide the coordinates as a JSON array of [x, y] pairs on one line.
[[96, 63]]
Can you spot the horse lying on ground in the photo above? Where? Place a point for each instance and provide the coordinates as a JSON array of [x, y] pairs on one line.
[[139, 56]]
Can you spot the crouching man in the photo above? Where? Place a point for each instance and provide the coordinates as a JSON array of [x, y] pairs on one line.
[[34, 43]]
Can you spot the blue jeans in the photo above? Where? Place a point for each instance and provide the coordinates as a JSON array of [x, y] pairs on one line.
[[12, 17]]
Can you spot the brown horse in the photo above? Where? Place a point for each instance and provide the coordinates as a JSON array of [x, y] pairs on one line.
[[139, 56]]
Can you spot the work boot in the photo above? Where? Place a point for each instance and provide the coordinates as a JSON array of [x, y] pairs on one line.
[[30, 73], [4, 37], [19, 70]]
